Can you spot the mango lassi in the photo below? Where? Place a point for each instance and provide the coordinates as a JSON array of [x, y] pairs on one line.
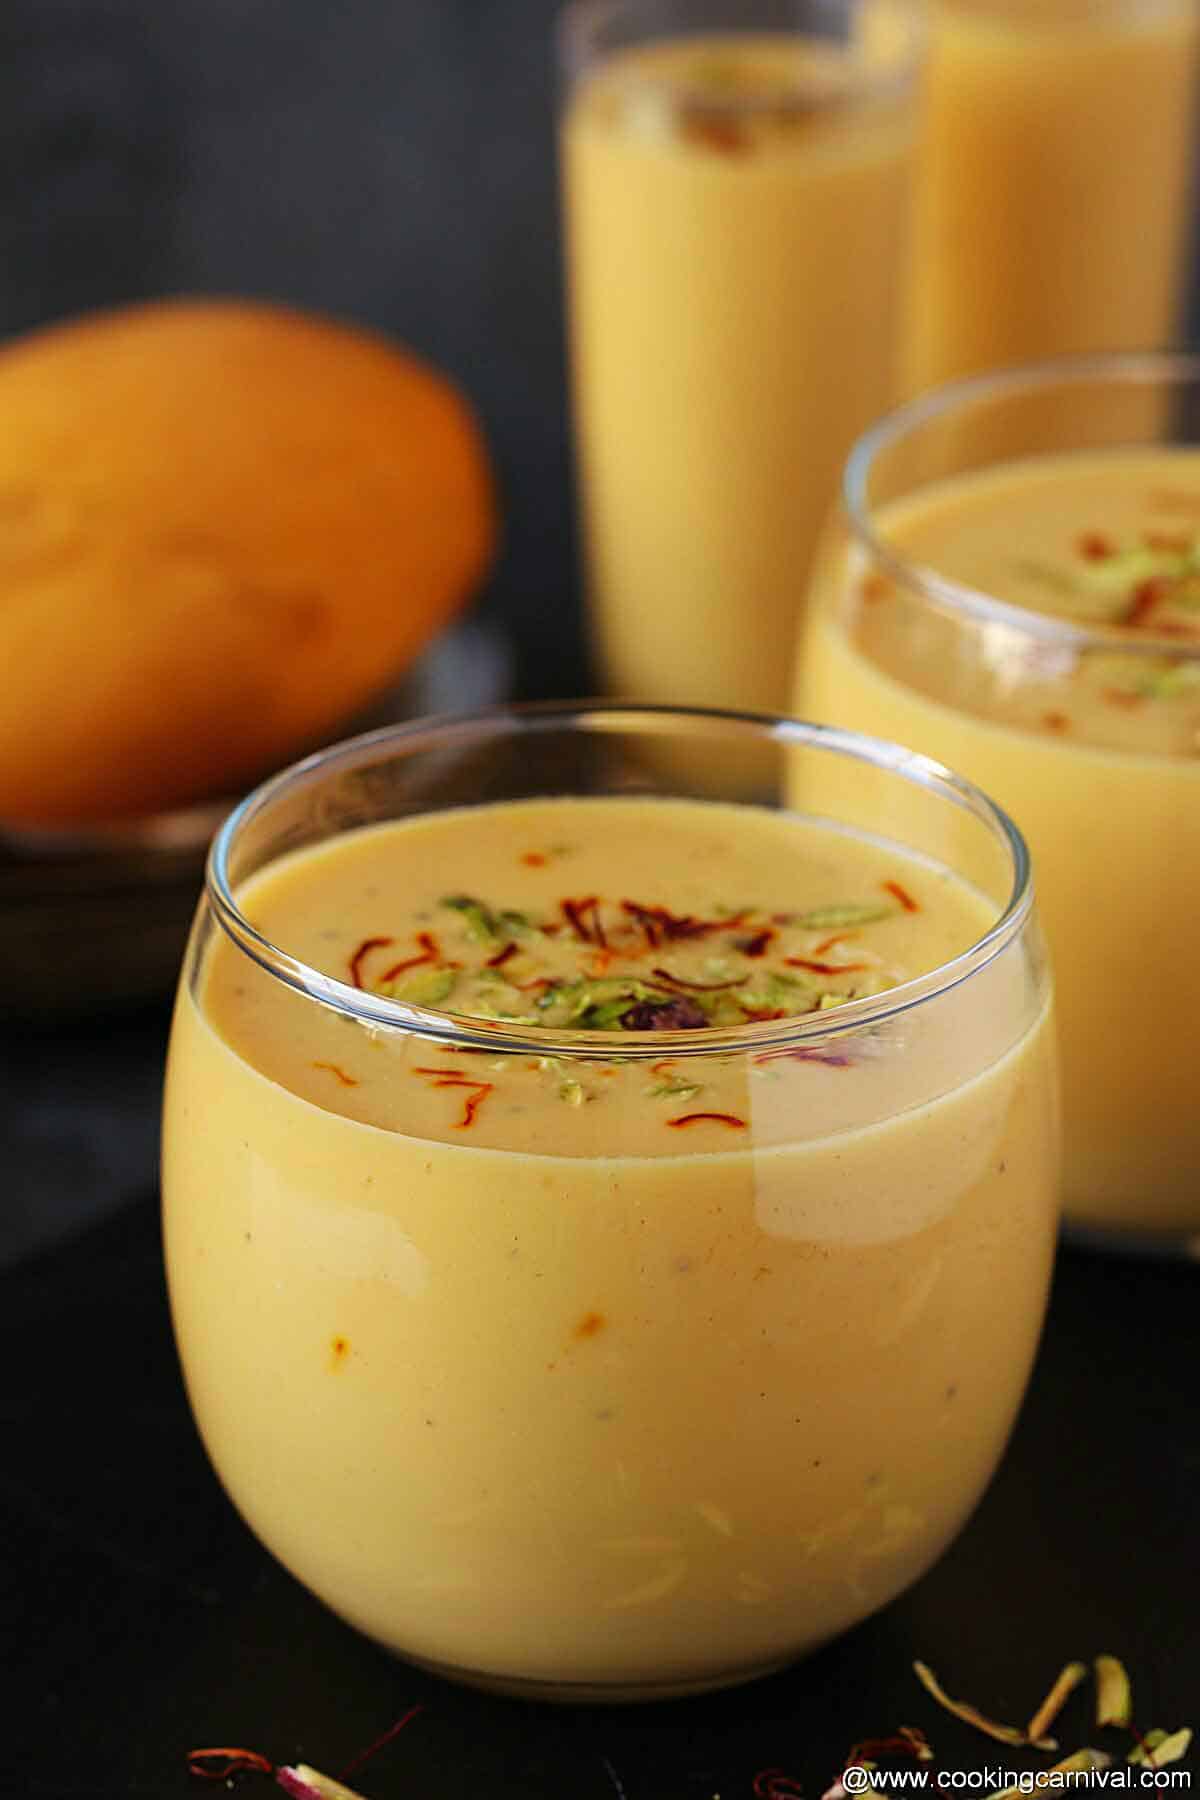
[[736, 210], [1077, 704], [633, 1370], [1052, 206]]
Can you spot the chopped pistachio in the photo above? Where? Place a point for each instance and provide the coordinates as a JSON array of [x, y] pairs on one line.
[[773, 988], [828, 1000], [479, 921], [1114, 1696], [1158, 1748], [1067, 1681], [961, 1709], [305, 1783], [515, 924], [422, 987], [1165, 684], [678, 1090], [572, 1092], [827, 918], [1116, 576]]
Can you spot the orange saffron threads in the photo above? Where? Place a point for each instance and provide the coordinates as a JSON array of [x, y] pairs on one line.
[[429, 953], [501, 957], [824, 968], [699, 987], [716, 1118], [839, 937], [902, 895], [583, 916], [713, 132], [756, 945], [221, 1764], [476, 1091], [1056, 721], [346, 1080], [533, 859], [1093, 546], [1123, 697], [658, 923], [364, 949], [1146, 597]]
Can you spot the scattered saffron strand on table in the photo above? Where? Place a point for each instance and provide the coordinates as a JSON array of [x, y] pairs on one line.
[[222, 1763], [371, 1750], [226, 1763]]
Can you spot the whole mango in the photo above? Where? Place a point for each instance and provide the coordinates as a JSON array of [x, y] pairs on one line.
[[224, 526]]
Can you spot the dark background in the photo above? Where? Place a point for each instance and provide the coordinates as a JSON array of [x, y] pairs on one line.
[[394, 164]]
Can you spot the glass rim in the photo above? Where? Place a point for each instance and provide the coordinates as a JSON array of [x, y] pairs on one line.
[[597, 718], [580, 24], [1161, 368]]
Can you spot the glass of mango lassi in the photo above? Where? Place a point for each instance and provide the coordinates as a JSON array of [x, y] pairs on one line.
[[1053, 205], [736, 183], [608, 1226], [1033, 616]]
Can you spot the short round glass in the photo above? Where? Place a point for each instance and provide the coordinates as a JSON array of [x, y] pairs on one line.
[[636, 1351], [1013, 584]]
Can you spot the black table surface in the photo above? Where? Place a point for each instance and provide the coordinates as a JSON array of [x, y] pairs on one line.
[[146, 1620]]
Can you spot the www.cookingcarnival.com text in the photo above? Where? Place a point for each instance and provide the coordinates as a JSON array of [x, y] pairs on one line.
[[994, 1782]]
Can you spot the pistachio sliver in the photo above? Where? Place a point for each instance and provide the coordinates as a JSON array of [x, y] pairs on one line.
[[1158, 1748], [423, 987], [827, 918], [305, 1783], [478, 919], [962, 1709], [1067, 1680], [1114, 1696], [674, 1090]]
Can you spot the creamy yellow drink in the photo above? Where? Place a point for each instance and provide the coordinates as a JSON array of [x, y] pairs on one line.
[[623, 1372], [1080, 712], [1053, 202], [736, 211]]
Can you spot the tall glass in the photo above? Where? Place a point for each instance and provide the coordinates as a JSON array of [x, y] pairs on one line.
[[573, 1403], [1028, 610], [1053, 210], [736, 187]]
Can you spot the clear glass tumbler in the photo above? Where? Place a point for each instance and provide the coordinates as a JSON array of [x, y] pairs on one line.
[[1054, 203], [737, 178], [621, 1361], [1013, 584]]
